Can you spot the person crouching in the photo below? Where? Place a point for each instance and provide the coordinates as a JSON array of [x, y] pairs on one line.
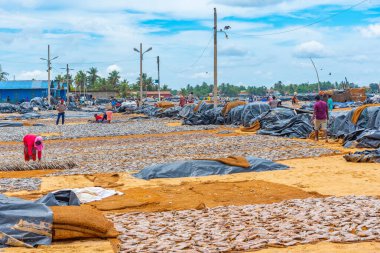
[[33, 146]]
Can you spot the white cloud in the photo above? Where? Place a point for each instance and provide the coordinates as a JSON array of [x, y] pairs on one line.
[[233, 51], [113, 68], [34, 74], [371, 31], [313, 49]]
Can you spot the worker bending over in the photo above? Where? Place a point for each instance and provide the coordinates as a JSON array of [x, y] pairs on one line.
[[33, 146]]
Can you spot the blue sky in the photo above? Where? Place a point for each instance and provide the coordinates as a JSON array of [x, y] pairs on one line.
[[268, 40]]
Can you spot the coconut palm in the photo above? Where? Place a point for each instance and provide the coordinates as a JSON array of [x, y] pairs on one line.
[[81, 80], [92, 76], [3, 75], [114, 78]]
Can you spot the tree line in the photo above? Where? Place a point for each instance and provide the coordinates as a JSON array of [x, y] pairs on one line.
[[91, 81]]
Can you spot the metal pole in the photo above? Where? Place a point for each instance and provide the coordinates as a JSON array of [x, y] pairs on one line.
[[67, 83], [215, 60], [158, 70], [316, 71], [141, 74], [49, 68]]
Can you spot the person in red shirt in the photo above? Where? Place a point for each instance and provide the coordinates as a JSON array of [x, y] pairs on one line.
[[182, 101], [320, 117], [33, 146], [98, 118]]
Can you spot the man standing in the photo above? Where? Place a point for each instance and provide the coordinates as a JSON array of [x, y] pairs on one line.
[[330, 103], [61, 108], [320, 117], [273, 103], [190, 98]]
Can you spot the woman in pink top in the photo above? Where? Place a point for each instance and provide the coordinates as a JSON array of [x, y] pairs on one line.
[[33, 146]]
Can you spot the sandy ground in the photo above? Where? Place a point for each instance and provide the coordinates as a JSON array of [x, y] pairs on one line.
[[327, 247], [309, 177], [80, 246]]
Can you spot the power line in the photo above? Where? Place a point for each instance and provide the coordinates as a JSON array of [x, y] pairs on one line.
[[304, 26], [198, 59]]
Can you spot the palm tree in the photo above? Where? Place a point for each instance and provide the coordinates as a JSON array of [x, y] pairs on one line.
[[3, 75], [114, 78], [81, 80], [60, 79], [92, 76]]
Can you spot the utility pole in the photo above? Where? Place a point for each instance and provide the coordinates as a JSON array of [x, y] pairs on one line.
[[141, 71], [48, 70], [215, 59], [67, 82], [316, 71], [158, 71]]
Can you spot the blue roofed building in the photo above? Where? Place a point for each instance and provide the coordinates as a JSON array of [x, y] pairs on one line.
[[20, 91]]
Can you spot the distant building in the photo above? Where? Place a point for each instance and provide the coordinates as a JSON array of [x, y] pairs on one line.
[[20, 91], [154, 94]]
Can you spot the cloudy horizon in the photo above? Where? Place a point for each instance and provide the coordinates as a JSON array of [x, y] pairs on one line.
[[269, 40]]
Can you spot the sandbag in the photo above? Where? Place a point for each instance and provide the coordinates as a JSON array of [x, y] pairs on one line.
[[80, 221]]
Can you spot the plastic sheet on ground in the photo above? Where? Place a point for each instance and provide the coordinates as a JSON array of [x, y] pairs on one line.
[[298, 126], [8, 108], [24, 223], [76, 196], [187, 111], [60, 198], [251, 111], [202, 106], [234, 116], [366, 156], [170, 112], [10, 124], [209, 117], [363, 138], [198, 168], [269, 119], [364, 133]]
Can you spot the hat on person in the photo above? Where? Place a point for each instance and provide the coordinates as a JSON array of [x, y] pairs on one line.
[[38, 144]]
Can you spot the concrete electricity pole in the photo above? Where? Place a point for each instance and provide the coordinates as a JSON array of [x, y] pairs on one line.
[[48, 70], [215, 59], [158, 71], [67, 82], [141, 70]]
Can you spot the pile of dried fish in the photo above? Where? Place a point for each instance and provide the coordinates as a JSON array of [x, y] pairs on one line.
[[19, 184], [127, 154], [61, 165], [97, 129], [242, 228]]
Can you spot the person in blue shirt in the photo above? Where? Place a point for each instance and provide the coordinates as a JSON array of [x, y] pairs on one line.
[[113, 103], [330, 103]]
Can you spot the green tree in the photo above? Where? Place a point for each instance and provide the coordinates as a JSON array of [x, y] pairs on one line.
[[92, 76], [114, 79], [374, 87], [3, 75], [81, 80], [124, 89], [60, 79], [147, 83]]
